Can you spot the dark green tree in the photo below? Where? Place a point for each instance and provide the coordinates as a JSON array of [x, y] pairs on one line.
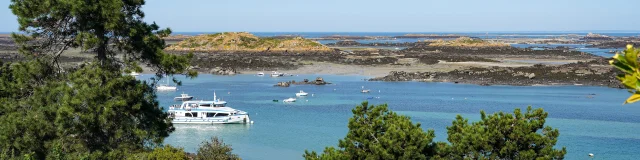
[[502, 136], [375, 132], [107, 27], [167, 152], [90, 111], [215, 150]]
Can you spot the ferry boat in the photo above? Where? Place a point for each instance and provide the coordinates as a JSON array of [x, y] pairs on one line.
[[207, 112]]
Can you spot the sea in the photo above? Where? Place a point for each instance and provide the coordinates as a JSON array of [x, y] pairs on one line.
[[590, 119]]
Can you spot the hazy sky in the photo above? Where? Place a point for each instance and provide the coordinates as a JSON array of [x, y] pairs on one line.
[[384, 15]]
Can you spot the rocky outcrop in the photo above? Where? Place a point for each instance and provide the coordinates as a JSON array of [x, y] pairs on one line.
[[317, 81], [223, 71], [595, 73], [245, 42]]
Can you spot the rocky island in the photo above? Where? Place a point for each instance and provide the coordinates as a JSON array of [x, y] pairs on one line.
[[450, 59]]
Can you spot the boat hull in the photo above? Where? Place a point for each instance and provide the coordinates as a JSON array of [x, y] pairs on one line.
[[225, 120], [183, 98]]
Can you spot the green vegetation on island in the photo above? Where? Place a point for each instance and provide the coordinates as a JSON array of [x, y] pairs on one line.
[[246, 42]]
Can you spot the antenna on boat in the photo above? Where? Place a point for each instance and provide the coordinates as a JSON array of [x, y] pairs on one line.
[[214, 96]]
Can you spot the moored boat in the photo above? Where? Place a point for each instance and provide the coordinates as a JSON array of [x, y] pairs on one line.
[[276, 74], [302, 93], [260, 73], [289, 100], [207, 112], [183, 97], [166, 87]]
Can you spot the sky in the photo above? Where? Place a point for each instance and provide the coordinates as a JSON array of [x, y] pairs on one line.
[[384, 15]]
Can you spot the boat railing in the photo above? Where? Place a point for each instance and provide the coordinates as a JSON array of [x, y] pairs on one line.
[[174, 106]]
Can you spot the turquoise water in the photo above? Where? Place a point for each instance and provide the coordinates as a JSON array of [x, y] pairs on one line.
[[599, 125]]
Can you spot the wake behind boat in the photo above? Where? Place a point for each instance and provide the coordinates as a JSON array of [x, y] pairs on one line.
[[207, 112]]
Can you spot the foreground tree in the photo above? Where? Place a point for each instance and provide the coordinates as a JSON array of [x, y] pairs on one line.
[[378, 133], [502, 136], [106, 27], [90, 111], [215, 150], [627, 62]]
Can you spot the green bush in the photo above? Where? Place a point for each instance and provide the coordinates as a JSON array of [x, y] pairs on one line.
[[215, 150]]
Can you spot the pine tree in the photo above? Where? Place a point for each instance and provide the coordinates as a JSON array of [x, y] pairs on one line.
[[378, 133], [502, 136], [89, 111]]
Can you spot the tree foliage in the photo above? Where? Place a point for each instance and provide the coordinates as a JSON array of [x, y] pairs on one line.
[[502, 136], [378, 133], [627, 62], [167, 152], [89, 111], [215, 150], [106, 27]]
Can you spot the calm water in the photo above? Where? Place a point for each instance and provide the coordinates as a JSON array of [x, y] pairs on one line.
[[599, 125]]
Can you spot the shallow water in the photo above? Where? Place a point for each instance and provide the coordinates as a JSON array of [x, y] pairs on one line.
[[599, 125]]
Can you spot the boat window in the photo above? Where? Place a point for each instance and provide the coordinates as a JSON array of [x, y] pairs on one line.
[[187, 114], [211, 114], [205, 105], [222, 114], [195, 114]]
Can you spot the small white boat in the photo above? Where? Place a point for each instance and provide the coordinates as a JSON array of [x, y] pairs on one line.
[[289, 100], [302, 93], [134, 74], [183, 97], [276, 74], [163, 87], [166, 87], [260, 74], [365, 91], [207, 112]]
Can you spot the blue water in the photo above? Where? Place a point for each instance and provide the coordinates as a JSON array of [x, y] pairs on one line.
[[599, 125]]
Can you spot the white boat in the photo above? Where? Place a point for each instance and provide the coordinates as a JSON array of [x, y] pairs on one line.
[[276, 74], [365, 91], [183, 97], [166, 87], [289, 100], [134, 74], [260, 74], [207, 112], [302, 93]]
